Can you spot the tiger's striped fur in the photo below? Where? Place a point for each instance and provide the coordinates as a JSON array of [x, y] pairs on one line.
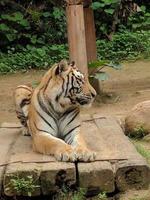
[[51, 111], [22, 97]]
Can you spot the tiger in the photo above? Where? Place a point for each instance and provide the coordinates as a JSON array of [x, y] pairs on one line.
[[50, 113]]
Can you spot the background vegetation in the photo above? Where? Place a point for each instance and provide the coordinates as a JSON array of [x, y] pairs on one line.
[[33, 33]]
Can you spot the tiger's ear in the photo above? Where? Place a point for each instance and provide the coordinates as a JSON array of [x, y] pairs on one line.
[[72, 63], [61, 67]]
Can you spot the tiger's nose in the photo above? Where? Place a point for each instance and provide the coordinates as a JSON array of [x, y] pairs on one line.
[[93, 94]]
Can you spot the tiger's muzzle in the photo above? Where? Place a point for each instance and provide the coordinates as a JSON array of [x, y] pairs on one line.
[[85, 99]]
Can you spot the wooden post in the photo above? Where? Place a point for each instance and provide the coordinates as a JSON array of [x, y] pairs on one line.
[[90, 34], [76, 36], [81, 36], [81, 33]]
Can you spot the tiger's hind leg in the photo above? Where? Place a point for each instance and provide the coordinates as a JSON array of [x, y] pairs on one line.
[[22, 97]]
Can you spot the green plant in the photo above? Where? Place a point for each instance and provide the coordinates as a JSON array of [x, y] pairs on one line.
[[31, 57], [138, 132], [79, 195], [145, 153], [23, 23], [109, 11], [125, 46], [9, 30], [121, 15], [102, 196], [140, 20], [97, 66], [22, 186], [40, 23], [70, 195]]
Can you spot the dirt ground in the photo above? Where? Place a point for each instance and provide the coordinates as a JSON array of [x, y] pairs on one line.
[[124, 89]]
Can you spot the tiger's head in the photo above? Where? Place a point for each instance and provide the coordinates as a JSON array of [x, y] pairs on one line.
[[67, 86]]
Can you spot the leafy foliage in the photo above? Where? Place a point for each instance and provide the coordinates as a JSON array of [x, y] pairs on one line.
[[125, 46], [98, 65], [116, 15], [105, 10], [145, 153], [79, 194], [72, 195], [33, 33], [31, 57], [140, 20], [39, 23], [138, 132], [102, 196], [22, 185], [23, 23]]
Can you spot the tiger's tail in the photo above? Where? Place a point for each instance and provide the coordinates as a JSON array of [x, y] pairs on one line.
[[22, 96]]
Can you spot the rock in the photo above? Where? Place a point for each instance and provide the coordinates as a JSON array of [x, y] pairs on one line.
[[147, 138], [46, 178], [56, 175], [135, 194], [7, 139], [137, 122], [132, 174], [96, 175], [22, 179]]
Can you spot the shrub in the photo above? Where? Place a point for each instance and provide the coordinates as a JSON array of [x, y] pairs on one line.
[[34, 23], [138, 132], [31, 57], [22, 186], [125, 46]]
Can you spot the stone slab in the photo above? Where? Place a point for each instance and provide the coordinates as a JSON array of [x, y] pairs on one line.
[[118, 165], [10, 125], [110, 132], [25, 154], [56, 175], [47, 178], [20, 173], [132, 174], [7, 139], [22, 162], [96, 176], [105, 135]]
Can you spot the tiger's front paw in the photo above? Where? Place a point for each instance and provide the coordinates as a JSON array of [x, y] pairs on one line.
[[85, 155], [25, 132], [65, 155]]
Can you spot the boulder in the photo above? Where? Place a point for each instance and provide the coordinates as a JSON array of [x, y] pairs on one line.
[[137, 122]]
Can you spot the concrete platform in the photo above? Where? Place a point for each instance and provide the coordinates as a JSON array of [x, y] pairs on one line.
[[118, 165]]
